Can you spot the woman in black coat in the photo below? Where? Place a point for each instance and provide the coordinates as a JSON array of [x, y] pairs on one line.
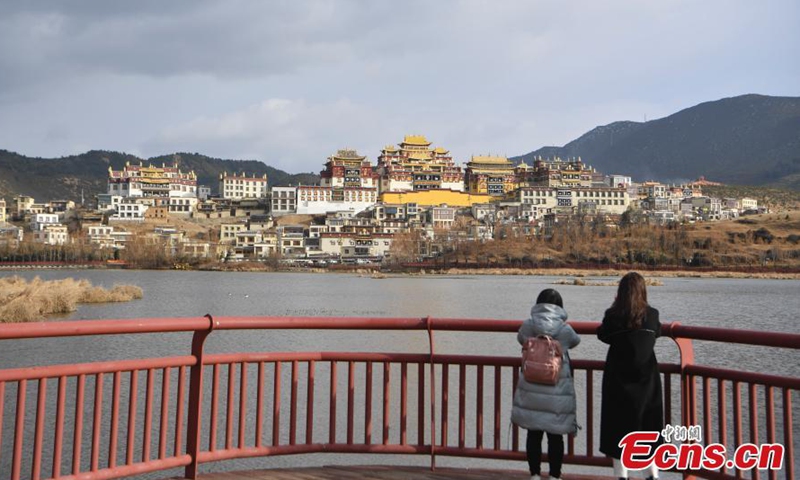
[[632, 399]]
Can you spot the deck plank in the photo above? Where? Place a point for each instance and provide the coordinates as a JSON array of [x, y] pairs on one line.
[[381, 472]]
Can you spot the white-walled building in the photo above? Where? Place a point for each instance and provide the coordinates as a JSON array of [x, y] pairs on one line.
[[318, 200], [618, 181], [228, 231], [652, 190], [3, 215], [749, 204], [348, 183], [442, 216], [182, 205], [10, 234], [291, 240], [107, 202], [41, 220], [100, 235], [51, 234], [239, 187], [608, 200], [203, 192], [284, 200], [129, 211], [349, 245], [662, 217]]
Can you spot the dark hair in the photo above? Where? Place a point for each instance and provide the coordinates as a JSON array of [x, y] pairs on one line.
[[550, 296], [631, 301]]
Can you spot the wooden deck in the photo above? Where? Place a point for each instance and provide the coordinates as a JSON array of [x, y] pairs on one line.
[[380, 472]]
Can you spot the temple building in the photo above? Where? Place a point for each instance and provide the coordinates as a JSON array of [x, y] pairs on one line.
[[348, 183], [415, 166], [348, 169], [240, 187], [150, 181], [490, 175], [556, 173]]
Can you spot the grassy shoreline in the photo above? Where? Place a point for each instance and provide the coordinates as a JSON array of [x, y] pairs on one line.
[[27, 301]]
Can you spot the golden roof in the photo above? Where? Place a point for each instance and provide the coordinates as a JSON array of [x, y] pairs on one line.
[[390, 148], [489, 159], [440, 150], [347, 154], [416, 140]]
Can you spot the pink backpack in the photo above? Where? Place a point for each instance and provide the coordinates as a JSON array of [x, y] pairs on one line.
[[541, 360]]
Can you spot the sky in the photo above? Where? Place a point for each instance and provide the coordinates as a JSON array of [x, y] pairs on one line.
[[290, 82]]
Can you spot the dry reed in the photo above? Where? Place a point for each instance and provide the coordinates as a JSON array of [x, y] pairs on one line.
[[26, 301]]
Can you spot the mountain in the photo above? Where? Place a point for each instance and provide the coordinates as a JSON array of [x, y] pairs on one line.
[[69, 177], [745, 140]]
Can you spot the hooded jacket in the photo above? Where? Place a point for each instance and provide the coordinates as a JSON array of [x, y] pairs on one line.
[[549, 408]]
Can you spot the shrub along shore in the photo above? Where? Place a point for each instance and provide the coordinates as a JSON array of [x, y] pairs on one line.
[[27, 301]]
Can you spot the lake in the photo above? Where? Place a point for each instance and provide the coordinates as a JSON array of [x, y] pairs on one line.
[[770, 305]]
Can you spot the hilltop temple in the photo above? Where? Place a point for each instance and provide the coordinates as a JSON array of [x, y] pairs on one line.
[[415, 166], [486, 174], [347, 183], [150, 181]]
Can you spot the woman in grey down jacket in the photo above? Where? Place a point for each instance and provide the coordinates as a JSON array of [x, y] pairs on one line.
[[541, 408]]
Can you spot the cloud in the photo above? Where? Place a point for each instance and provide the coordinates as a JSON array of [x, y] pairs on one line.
[[226, 40], [292, 134], [290, 82]]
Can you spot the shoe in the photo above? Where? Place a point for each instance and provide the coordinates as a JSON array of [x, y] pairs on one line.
[[536, 477]]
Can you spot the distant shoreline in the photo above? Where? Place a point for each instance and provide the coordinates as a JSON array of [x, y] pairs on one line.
[[366, 271], [571, 272]]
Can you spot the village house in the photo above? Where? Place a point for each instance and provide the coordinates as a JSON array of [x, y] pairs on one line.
[[284, 200], [40, 220], [99, 235], [239, 187], [349, 245], [291, 240], [228, 231], [51, 234], [129, 210]]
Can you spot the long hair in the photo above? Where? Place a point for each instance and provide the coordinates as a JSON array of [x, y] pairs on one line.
[[631, 301], [550, 295]]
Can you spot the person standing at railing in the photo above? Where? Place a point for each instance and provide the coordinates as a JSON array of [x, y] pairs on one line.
[[543, 408], [632, 399]]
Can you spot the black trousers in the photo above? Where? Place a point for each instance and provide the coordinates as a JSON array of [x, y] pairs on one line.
[[555, 452]]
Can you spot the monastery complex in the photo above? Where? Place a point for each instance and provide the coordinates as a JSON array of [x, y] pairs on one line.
[[359, 207]]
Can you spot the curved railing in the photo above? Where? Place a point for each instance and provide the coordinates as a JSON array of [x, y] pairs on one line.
[[112, 419]]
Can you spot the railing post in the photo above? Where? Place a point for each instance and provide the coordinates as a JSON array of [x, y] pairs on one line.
[[195, 399], [688, 394], [431, 345]]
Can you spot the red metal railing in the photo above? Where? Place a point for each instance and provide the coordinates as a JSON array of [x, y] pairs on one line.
[[160, 413]]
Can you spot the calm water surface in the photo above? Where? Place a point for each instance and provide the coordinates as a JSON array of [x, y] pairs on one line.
[[771, 305]]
